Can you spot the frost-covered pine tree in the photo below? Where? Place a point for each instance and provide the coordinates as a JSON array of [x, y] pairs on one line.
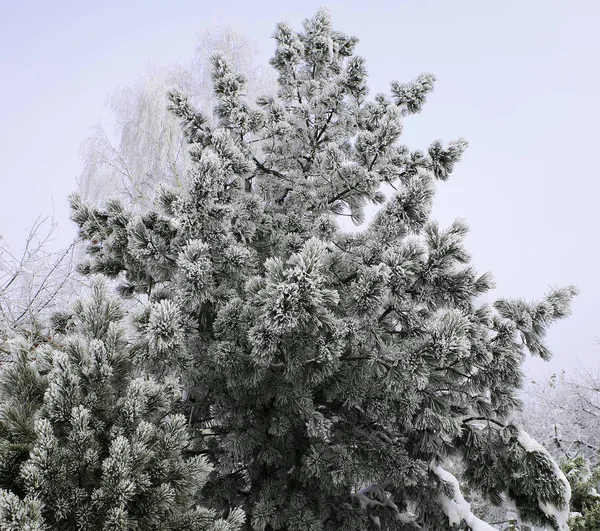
[[89, 441], [331, 377]]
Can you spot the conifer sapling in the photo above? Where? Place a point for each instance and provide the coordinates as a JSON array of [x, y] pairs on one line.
[[90, 441]]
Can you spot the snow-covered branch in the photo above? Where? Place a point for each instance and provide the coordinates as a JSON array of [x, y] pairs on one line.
[[456, 508], [550, 510]]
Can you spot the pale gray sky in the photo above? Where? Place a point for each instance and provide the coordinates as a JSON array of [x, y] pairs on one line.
[[518, 79]]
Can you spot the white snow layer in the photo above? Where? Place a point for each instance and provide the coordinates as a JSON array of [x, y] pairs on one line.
[[561, 515], [458, 509]]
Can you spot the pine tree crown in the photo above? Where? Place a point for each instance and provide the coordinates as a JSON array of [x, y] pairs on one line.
[[333, 378]]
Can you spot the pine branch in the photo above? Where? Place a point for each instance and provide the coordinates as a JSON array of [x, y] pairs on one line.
[[484, 419], [263, 168], [342, 194], [327, 122], [387, 311], [350, 278]]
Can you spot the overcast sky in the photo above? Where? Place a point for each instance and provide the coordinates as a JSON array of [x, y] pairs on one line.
[[518, 79]]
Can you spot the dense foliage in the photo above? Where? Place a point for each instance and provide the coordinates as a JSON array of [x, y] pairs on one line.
[[90, 440], [585, 501], [330, 377]]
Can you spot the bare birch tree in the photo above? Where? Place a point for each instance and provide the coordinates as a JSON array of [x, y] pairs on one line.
[[34, 284], [563, 413], [143, 146]]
